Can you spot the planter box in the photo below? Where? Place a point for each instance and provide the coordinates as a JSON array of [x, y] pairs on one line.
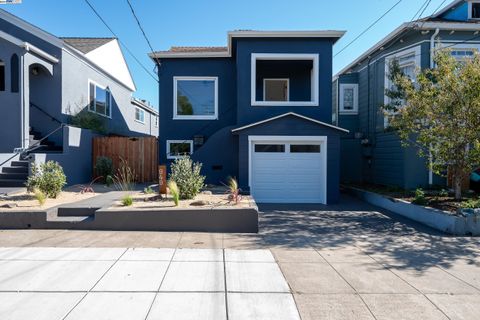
[[467, 224], [231, 220]]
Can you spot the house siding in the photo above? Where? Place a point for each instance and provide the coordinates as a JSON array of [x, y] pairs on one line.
[[217, 149], [384, 160]]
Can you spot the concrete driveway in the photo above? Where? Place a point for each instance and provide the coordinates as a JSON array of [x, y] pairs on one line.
[[349, 261]]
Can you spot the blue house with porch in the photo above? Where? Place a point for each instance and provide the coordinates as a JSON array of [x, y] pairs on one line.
[[372, 152], [259, 109]]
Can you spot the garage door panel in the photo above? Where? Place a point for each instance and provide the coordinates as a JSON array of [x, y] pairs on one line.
[[284, 177]]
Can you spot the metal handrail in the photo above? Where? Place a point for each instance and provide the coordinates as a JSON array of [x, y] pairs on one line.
[[45, 112], [44, 138]]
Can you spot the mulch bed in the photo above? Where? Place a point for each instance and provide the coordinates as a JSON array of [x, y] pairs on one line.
[[434, 198]]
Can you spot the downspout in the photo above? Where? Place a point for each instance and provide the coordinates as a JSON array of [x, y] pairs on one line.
[[22, 80], [432, 65]]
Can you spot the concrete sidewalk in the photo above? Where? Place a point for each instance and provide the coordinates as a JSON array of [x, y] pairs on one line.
[[138, 284]]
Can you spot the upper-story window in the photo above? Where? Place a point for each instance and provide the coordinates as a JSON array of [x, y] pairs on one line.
[[348, 98], [100, 99], [139, 115], [279, 79], [195, 98], [2, 76], [156, 121], [474, 9], [408, 61], [461, 54]]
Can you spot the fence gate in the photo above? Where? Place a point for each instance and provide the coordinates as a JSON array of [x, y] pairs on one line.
[[141, 154]]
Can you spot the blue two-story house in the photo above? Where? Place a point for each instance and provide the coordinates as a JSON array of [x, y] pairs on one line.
[[372, 152], [258, 109]]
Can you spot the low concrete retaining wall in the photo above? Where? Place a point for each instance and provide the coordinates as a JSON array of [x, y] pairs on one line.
[[231, 220], [437, 219]]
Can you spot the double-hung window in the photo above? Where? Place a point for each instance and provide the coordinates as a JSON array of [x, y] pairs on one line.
[[348, 98], [139, 115], [195, 98], [408, 62], [100, 99]]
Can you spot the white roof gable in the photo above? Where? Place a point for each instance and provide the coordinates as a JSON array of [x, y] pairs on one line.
[[110, 58]]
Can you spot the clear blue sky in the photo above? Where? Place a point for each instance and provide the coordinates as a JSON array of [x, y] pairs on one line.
[[206, 22]]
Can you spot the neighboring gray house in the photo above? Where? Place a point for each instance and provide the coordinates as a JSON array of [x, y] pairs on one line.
[[45, 80], [372, 153]]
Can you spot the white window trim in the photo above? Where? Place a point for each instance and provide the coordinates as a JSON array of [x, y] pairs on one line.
[[470, 10], [344, 86], [135, 115], [323, 140], [417, 61], [285, 56], [276, 79], [95, 94], [178, 141], [194, 117]]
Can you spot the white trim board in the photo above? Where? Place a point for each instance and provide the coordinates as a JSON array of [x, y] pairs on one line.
[[195, 117], [287, 139], [314, 79], [290, 114]]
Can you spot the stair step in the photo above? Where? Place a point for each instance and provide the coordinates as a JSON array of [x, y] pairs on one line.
[[43, 148], [15, 170], [13, 176], [5, 183], [20, 164]]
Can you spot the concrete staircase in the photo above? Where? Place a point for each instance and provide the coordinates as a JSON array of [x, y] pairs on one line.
[[14, 175], [46, 146]]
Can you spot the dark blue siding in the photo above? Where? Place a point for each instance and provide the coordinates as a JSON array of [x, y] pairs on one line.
[[210, 153]]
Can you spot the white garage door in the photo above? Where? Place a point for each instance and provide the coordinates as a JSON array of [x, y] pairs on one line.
[[286, 171]]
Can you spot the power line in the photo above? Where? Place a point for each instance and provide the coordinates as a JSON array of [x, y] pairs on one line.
[[421, 10], [368, 28], [120, 41], [140, 25]]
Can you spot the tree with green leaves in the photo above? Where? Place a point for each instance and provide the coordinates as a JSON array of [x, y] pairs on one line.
[[439, 112]]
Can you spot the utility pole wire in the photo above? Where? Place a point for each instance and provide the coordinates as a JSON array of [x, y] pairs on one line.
[[369, 27], [140, 25], [120, 41]]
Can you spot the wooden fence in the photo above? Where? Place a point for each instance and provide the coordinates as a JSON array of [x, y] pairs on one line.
[[140, 153]]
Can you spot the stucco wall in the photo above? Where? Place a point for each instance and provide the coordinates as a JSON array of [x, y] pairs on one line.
[[10, 103], [76, 158]]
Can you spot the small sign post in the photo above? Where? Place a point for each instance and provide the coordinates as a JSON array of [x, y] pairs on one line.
[[162, 177]]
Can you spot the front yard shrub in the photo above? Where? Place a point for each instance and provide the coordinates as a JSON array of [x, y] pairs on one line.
[[40, 196], [127, 201], [471, 204], [47, 177], [420, 198], [89, 120], [124, 180], [233, 190], [186, 175], [148, 190], [174, 191], [104, 167]]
